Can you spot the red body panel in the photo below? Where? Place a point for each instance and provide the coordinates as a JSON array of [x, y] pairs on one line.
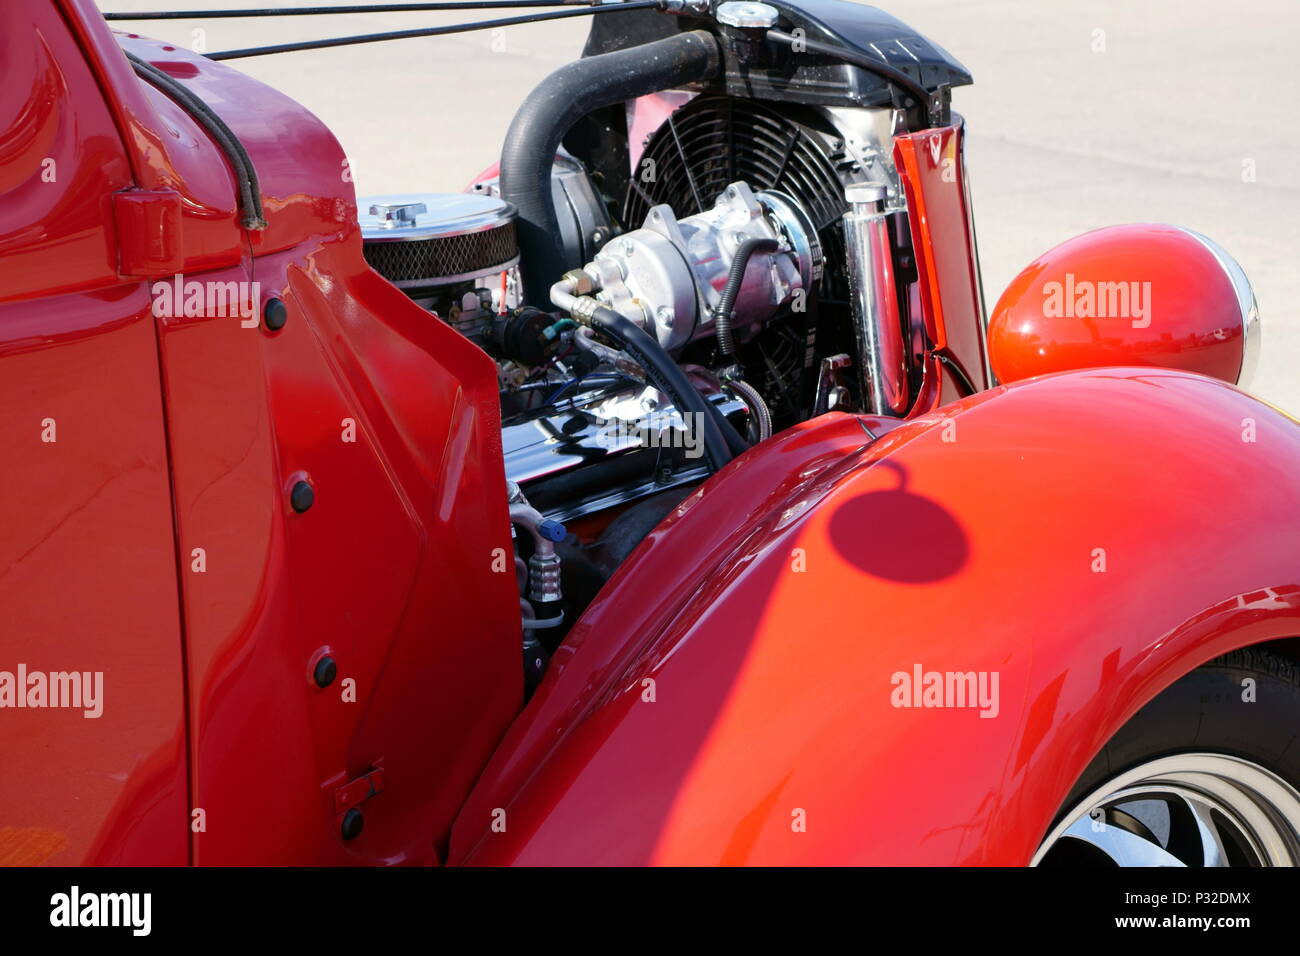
[[60, 161], [87, 552], [392, 417], [88, 584], [812, 570], [430, 645], [932, 165]]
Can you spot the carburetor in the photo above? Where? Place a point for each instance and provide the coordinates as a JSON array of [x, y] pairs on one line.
[[669, 275]]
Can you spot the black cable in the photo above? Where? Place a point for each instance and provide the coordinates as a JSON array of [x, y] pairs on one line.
[[353, 8], [433, 31], [958, 372], [667, 376], [735, 443], [869, 63], [735, 279], [250, 192]]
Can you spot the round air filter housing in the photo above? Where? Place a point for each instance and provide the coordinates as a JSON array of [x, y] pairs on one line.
[[427, 240]]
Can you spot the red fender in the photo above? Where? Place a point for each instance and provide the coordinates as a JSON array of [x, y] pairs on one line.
[[730, 697]]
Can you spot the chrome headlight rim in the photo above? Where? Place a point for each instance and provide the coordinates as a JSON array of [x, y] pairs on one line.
[[1247, 305]]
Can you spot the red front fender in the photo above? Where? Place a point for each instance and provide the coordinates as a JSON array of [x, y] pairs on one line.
[[730, 697]]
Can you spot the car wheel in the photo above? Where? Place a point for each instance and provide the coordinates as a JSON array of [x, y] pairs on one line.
[[1204, 775]]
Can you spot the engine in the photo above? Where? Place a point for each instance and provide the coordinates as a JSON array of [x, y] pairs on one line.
[[693, 271]]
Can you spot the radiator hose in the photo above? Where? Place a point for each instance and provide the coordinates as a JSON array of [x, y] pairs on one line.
[[562, 99]]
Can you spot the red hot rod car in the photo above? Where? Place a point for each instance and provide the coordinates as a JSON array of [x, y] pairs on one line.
[[665, 496]]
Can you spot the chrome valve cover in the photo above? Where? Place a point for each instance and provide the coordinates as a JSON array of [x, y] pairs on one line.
[[620, 438]]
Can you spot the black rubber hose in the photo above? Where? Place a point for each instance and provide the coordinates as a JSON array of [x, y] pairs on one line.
[[563, 98], [958, 372], [668, 377], [250, 192], [735, 442], [735, 279]]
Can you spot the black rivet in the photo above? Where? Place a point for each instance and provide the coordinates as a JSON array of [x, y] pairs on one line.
[[275, 314], [302, 497], [326, 671], [352, 824]]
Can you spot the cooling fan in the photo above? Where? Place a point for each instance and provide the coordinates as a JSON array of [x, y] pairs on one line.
[[716, 140]]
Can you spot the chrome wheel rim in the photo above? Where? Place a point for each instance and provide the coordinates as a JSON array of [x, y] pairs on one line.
[[1193, 810]]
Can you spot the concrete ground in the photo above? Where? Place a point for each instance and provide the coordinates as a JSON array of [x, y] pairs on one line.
[[1083, 113]]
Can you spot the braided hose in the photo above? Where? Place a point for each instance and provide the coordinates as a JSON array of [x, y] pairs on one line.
[[762, 414]]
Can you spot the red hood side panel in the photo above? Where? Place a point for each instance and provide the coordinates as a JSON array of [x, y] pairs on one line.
[[392, 418]]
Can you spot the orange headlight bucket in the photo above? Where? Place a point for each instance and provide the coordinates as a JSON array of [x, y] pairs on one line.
[[1128, 295]]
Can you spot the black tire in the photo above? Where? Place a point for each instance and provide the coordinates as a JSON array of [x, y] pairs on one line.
[[1205, 711], [1245, 705]]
